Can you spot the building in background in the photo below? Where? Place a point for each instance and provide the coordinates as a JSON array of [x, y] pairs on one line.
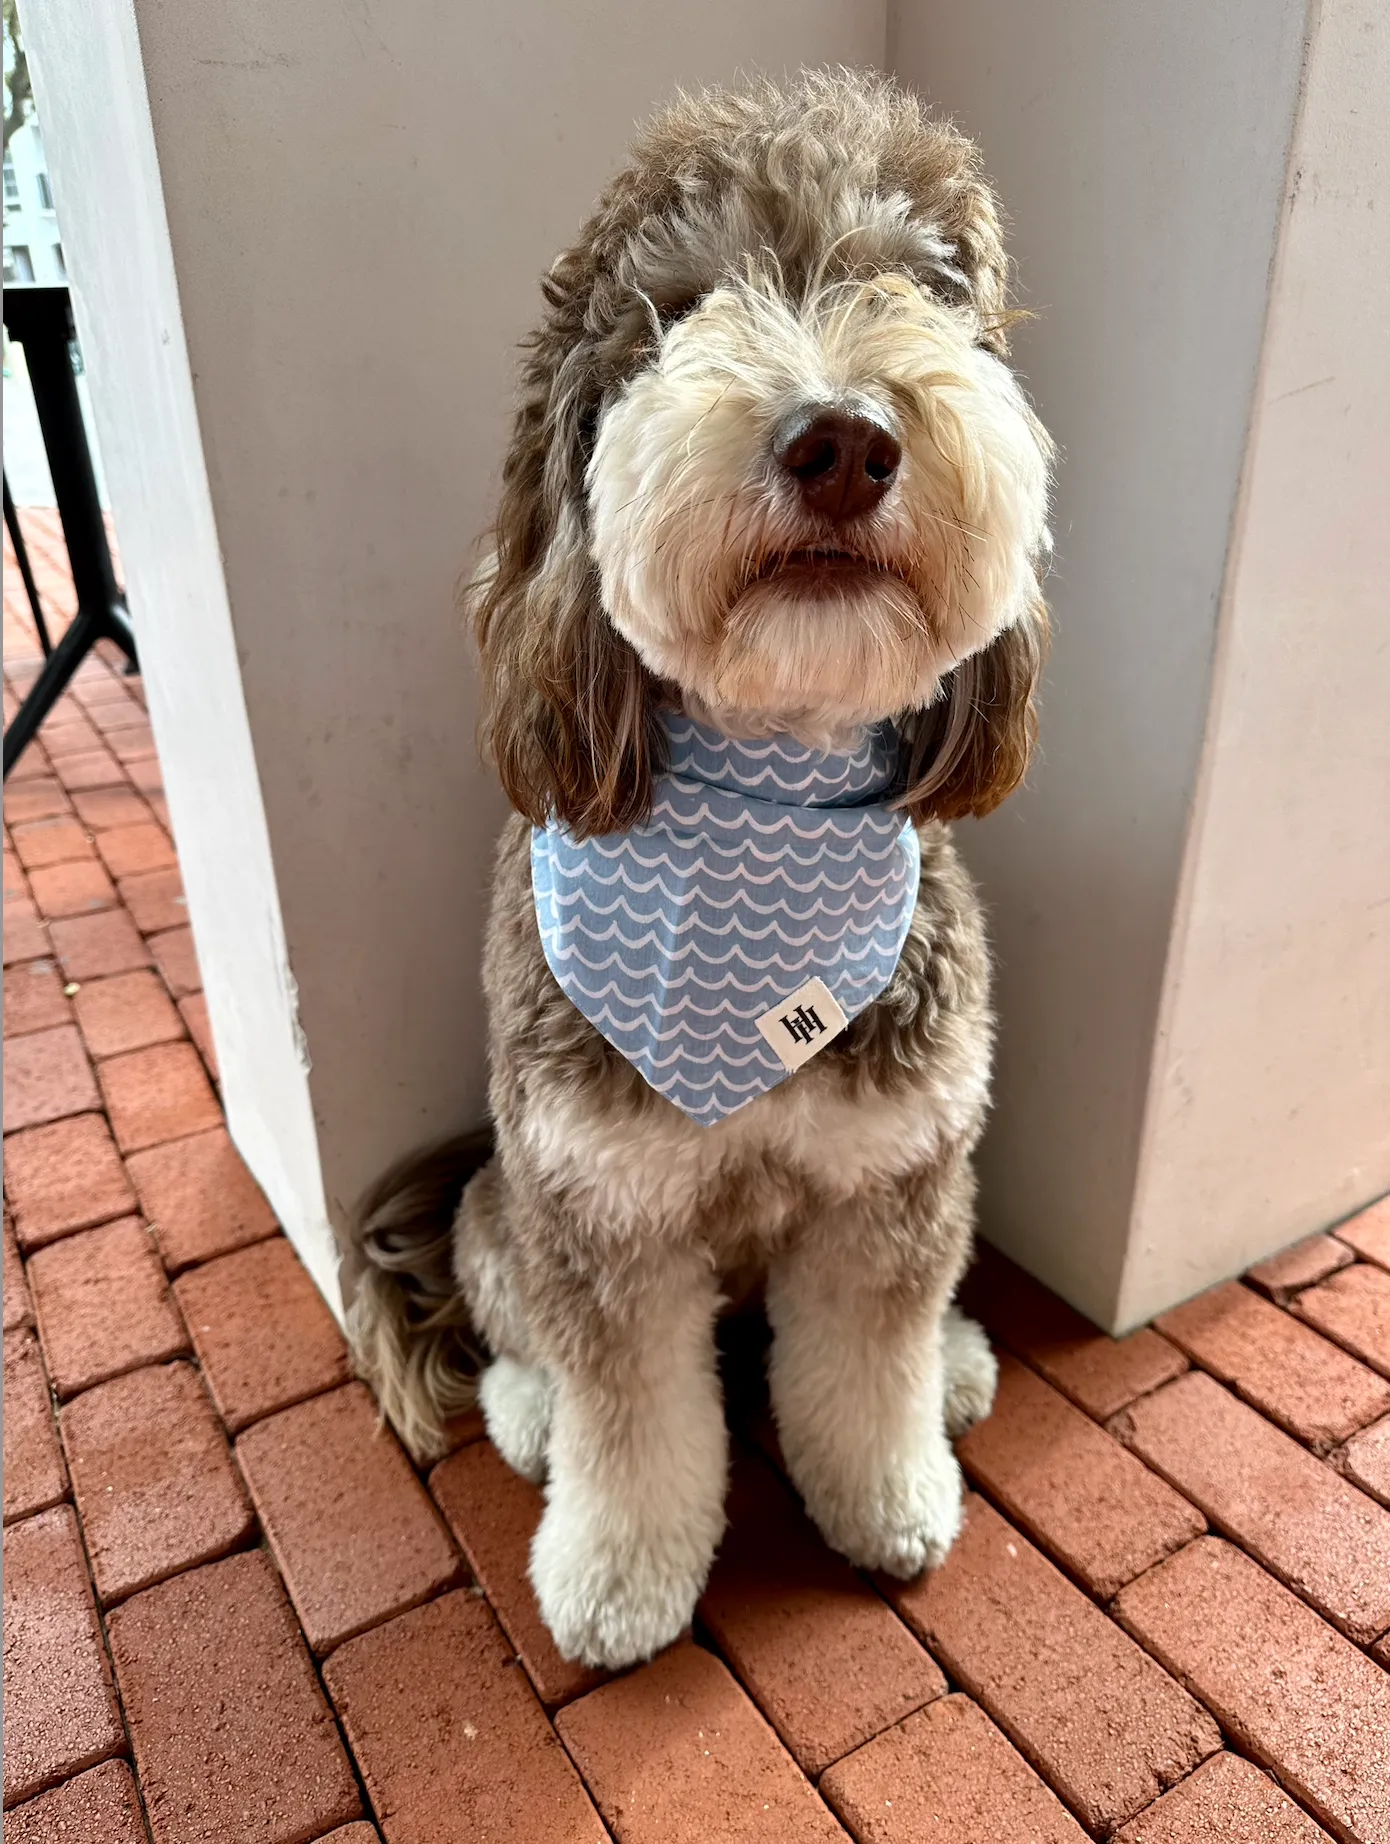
[[33, 246]]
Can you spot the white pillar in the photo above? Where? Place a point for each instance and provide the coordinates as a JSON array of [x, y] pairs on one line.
[[304, 241], [1190, 901]]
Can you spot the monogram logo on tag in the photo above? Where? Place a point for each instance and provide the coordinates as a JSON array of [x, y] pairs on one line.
[[803, 1023]]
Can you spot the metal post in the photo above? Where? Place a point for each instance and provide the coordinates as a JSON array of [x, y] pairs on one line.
[[40, 319]]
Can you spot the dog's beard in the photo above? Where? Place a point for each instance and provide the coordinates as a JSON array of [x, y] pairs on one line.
[[820, 659]]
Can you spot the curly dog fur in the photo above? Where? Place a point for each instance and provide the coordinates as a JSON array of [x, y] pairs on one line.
[[764, 247]]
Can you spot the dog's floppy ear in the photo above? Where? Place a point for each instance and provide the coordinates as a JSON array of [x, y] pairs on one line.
[[970, 749], [570, 714]]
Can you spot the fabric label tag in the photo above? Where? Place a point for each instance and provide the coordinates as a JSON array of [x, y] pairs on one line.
[[803, 1024]]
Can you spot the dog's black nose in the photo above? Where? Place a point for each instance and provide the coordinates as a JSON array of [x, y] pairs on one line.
[[843, 463]]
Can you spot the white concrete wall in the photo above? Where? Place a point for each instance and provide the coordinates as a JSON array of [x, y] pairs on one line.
[[88, 81], [1269, 1113], [1141, 153], [337, 219]]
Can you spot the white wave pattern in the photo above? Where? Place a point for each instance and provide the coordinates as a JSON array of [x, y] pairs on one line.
[[763, 865]]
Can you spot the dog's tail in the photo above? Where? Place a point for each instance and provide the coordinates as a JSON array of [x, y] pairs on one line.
[[411, 1334]]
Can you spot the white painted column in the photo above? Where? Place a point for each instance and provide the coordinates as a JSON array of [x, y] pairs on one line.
[[305, 241], [1190, 900]]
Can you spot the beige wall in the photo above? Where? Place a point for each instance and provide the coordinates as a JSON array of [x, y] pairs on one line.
[[1269, 1108]]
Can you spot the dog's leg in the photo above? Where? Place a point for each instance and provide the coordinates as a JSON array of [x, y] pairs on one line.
[[972, 1372], [516, 1401], [858, 1380], [635, 1494]]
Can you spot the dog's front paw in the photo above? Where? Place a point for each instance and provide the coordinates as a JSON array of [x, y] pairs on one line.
[[903, 1524], [516, 1401], [606, 1602]]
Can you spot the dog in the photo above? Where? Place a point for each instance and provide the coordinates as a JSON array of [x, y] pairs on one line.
[[772, 484]]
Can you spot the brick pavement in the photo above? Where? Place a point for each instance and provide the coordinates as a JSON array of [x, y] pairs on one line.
[[235, 1613]]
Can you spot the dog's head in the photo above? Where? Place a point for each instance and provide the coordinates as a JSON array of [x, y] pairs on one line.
[[770, 462]]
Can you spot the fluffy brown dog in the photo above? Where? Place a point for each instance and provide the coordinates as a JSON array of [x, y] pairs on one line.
[[820, 258]]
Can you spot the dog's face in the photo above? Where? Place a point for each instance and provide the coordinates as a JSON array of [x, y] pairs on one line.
[[772, 464]]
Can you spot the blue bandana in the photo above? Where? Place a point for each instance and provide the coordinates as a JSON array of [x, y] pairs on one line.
[[725, 940]]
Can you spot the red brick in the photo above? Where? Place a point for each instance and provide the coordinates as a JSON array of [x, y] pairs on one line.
[[350, 1525], [72, 890], [1307, 1525], [1227, 1801], [90, 768], [52, 841], [948, 1774], [199, 1198], [1286, 1274], [60, 1713], [34, 1476], [494, 1512], [147, 776], [128, 850], [1292, 1692], [154, 1482], [193, 1009], [101, 809], [1366, 1459], [26, 936], [18, 1310], [91, 946], [232, 1737], [1099, 1720], [1098, 1373], [1369, 1232], [826, 1661], [451, 1743], [158, 1094], [47, 1077], [16, 883], [155, 899], [33, 765], [263, 1335], [1354, 1308], [40, 798], [34, 998], [102, 1306], [1088, 1502], [131, 743], [113, 712], [1301, 1381], [64, 1177], [676, 1752], [66, 731], [176, 959], [129, 1012], [98, 1807]]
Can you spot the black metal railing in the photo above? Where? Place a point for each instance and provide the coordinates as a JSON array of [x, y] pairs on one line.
[[40, 320]]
